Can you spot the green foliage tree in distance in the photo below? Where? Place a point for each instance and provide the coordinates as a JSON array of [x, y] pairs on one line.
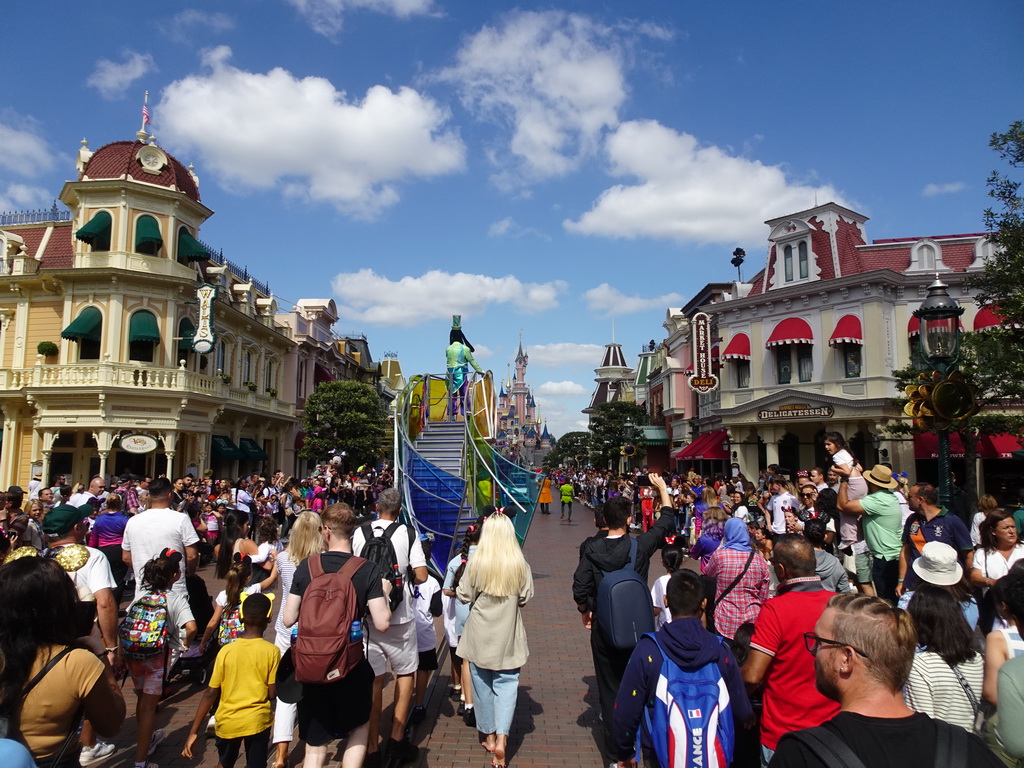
[[571, 448], [344, 416], [610, 429]]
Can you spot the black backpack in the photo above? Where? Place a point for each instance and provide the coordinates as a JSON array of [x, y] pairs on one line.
[[951, 745], [624, 608], [381, 550]]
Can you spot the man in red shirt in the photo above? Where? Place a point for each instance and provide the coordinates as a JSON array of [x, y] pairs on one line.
[[778, 657]]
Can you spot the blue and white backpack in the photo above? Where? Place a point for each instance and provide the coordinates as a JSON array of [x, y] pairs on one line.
[[689, 720]]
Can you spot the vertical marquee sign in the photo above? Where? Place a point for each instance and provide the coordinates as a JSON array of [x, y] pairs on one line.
[[703, 380], [204, 339]]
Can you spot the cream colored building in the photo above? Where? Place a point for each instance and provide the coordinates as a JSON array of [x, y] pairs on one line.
[[113, 286]]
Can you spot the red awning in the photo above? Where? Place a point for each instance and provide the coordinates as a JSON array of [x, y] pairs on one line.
[[715, 354], [914, 326], [710, 447], [738, 348], [321, 374], [926, 446], [300, 440], [848, 331], [792, 330], [987, 318]]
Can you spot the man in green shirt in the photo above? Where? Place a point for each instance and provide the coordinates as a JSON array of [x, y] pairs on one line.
[[565, 489], [882, 521]]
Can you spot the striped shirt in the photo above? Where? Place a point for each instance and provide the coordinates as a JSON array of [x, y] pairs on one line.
[[285, 573], [933, 688]]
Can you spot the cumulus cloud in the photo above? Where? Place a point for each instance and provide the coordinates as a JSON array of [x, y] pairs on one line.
[[930, 190], [609, 301], [111, 78], [20, 197], [554, 79], [184, 24], [300, 135], [565, 353], [372, 298], [326, 16], [561, 389], [22, 150], [508, 227], [687, 192]]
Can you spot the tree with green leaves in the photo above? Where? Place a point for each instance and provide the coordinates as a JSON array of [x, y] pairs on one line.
[[570, 448], [344, 416], [612, 426]]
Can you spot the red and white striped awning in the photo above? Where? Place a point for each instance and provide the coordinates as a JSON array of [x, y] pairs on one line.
[[738, 348], [848, 331], [792, 330]]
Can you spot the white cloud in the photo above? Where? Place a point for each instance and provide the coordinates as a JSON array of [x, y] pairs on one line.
[[688, 192], [22, 151], [555, 79], [609, 301], [508, 227], [326, 16], [302, 136], [561, 389], [184, 24], [372, 298], [930, 190], [111, 78], [482, 352], [565, 353], [21, 197]]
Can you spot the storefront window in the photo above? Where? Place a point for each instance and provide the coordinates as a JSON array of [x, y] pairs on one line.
[[742, 374], [783, 364]]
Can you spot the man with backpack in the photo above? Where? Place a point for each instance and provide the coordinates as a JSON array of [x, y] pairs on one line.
[[671, 703], [619, 554], [863, 650], [331, 594], [396, 549]]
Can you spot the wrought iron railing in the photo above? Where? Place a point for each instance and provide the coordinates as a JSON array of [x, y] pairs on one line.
[[41, 216]]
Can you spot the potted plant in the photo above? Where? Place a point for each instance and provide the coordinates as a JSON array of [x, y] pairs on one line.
[[272, 392], [225, 378], [251, 385], [47, 349]]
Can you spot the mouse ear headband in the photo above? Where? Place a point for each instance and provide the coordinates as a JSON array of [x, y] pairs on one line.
[[238, 557]]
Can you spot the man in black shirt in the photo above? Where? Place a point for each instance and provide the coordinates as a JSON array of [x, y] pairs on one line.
[[863, 651], [331, 711]]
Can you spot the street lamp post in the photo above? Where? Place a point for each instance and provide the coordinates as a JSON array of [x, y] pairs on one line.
[[939, 315]]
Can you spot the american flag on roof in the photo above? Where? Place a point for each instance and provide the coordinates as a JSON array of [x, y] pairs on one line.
[[145, 115]]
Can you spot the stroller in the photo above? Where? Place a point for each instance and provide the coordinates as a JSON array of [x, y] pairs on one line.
[[194, 665]]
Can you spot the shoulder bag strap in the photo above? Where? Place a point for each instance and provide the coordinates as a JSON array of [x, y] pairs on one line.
[[316, 568], [950, 745], [389, 532], [975, 704], [827, 747], [632, 551], [737, 580], [42, 673]]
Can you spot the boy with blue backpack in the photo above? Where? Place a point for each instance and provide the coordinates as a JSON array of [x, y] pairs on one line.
[[682, 696]]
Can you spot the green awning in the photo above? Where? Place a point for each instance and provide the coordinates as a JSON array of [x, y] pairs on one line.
[[252, 449], [97, 232], [186, 330], [143, 327], [189, 248], [147, 231], [87, 325], [223, 448]]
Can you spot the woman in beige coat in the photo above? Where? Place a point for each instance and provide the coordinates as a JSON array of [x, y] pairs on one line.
[[498, 582]]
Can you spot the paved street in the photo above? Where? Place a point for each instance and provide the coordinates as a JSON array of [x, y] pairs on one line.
[[555, 717]]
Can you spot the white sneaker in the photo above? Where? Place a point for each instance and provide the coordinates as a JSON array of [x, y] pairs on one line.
[[99, 753], [155, 740]]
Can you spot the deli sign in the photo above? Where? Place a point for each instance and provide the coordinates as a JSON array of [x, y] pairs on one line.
[[703, 380]]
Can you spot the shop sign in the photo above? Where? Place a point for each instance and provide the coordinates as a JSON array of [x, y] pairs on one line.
[[803, 411], [136, 443], [204, 339], [703, 380]]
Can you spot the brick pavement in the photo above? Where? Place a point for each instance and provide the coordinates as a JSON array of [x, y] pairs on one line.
[[556, 714]]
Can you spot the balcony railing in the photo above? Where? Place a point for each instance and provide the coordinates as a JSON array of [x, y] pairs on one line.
[[136, 376], [43, 215]]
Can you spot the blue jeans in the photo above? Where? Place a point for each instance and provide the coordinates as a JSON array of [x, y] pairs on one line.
[[494, 698], [766, 756]]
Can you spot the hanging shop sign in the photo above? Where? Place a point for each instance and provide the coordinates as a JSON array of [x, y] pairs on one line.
[[703, 380], [803, 411], [138, 443], [204, 339]]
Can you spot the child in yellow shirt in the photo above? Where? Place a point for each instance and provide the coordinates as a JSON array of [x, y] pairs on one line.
[[243, 681]]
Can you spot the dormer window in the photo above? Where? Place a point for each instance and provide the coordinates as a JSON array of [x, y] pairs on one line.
[[795, 269], [925, 256], [793, 262]]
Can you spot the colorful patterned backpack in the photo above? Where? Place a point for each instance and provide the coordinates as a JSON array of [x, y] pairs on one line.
[[143, 630]]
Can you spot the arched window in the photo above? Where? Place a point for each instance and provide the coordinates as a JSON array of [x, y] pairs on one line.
[[270, 379], [143, 336], [87, 330], [148, 239], [787, 263], [802, 268], [247, 358], [97, 232]]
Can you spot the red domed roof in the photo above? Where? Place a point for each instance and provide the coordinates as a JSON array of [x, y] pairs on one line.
[[115, 160]]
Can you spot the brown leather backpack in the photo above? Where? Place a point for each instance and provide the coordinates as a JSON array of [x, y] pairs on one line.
[[323, 652]]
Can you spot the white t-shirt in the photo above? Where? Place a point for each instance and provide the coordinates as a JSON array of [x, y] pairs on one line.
[[151, 532], [658, 601], [993, 565], [222, 597], [423, 595], [403, 614], [842, 457], [93, 576], [778, 505]]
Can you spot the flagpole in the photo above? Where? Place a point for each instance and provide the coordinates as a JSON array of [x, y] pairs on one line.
[[143, 134]]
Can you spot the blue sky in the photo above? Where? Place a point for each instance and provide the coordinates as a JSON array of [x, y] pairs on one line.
[[553, 168]]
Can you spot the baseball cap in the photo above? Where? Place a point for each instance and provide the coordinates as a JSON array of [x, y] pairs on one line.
[[63, 518]]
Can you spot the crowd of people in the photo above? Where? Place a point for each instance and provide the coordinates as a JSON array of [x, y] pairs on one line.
[[853, 606]]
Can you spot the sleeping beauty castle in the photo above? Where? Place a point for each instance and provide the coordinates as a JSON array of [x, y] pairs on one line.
[[522, 436]]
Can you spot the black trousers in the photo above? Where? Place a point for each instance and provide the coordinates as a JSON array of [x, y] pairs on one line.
[[257, 748], [609, 667], [885, 574]]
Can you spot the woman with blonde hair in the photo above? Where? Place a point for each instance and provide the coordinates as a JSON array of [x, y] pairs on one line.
[[498, 583], [304, 540], [986, 505]]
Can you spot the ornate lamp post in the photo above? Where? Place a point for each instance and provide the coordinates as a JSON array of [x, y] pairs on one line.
[[940, 348]]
